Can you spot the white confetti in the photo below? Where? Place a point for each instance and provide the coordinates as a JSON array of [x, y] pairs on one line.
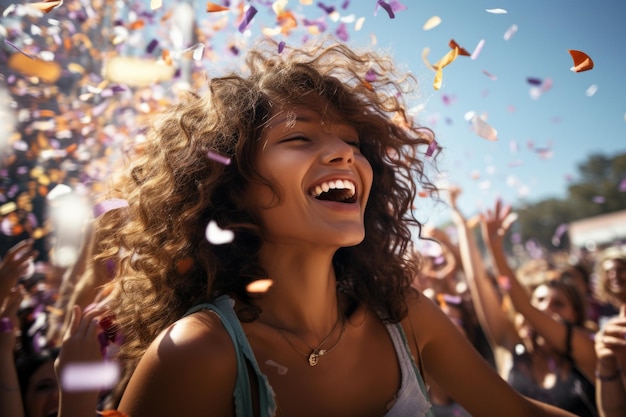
[[90, 376], [591, 90], [496, 11], [218, 236]]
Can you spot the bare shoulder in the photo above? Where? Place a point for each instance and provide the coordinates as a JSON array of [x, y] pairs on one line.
[[190, 369]]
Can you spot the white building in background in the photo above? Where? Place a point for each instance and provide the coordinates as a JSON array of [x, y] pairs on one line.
[[599, 231]]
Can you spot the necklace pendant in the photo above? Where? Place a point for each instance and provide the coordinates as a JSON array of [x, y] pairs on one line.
[[313, 358]]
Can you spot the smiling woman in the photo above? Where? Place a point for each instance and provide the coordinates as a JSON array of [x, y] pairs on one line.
[[324, 166]]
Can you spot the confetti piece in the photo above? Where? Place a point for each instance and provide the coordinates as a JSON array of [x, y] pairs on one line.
[[481, 127], [622, 186], [46, 6], [446, 60], [504, 283], [598, 199], [112, 413], [432, 147], [137, 72], [359, 24], [218, 158], [107, 205], [591, 90], [156, 4], [432, 23], [477, 50], [247, 18], [213, 8], [490, 75], [496, 11], [387, 8], [534, 81], [582, 61], [218, 236], [280, 369], [510, 32], [558, 234], [281, 46], [90, 376], [259, 286], [462, 51]]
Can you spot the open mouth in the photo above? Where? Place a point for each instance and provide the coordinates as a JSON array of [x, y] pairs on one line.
[[341, 191]]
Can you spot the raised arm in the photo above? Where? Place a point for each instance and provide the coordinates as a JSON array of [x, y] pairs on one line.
[[456, 366], [10, 396], [494, 225], [498, 328], [611, 371]]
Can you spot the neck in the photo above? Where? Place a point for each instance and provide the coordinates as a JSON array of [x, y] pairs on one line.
[[303, 297]]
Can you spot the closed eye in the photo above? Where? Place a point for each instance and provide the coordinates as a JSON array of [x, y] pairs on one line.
[[354, 143], [296, 139]]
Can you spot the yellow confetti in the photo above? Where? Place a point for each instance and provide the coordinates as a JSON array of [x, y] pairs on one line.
[[432, 23], [279, 6], [306, 2], [443, 62], [359, 24], [155, 4]]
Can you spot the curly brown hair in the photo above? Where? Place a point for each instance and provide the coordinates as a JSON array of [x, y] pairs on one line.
[[165, 264]]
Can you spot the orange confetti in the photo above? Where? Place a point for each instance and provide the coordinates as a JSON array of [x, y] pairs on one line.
[[259, 286], [112, 413], [184, 265], [212, 8], [582, 62], [47, 6], [462, 51], [137, 24], [167, 57]]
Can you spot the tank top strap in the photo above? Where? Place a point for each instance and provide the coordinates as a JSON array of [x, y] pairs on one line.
[[223, 306]]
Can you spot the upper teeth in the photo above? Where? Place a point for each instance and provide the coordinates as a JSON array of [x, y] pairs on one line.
[[333, 185]]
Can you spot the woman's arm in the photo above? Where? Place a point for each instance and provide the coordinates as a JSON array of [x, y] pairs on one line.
[[10, 395], [455, 365], [487, 302], [189, 370], [610, 374], [494, 226]]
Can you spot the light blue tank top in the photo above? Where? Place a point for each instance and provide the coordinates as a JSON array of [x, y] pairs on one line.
[[411, 399]]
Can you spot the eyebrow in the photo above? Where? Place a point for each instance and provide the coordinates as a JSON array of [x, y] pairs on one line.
[[290, 116]]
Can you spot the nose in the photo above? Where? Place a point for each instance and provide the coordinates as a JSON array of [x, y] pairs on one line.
[[337, 151]]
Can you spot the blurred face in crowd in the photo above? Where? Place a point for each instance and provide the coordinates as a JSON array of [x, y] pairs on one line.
[[42, 394], [555, 302], [615, 275]]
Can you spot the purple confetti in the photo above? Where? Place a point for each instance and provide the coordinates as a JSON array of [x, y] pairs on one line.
[[247, 18], [598, 199], [218, 158], [432, 147], [345, 4], [534, 81], [387, 8], [370, 76], [327, 9], [152, 46], [342, 32], [111, 204], [281, 47], [622, 186]]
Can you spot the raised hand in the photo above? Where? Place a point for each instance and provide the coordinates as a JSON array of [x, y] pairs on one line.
[[15, 265]]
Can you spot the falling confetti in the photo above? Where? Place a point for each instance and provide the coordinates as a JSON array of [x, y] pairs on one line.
[[90, 376], [247, 18], [462, 51], [496, 11], [582, 61], [218, 236], [107, 205], [481, 127], [591, 90], [213, 8], [259, 286], [510, 32], [477, 50], [432, 23]]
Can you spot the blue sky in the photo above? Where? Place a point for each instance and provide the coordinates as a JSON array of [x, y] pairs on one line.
[[566, 120], [541, 140]]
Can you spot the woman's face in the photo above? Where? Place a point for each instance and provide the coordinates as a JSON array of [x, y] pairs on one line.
[[615, 275], [323, 179], [554, 302], [42, 394]]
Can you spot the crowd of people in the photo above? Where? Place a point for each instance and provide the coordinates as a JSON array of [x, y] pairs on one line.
[[258, 256]]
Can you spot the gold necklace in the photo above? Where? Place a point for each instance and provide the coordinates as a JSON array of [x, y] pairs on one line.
[[316, 352]]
